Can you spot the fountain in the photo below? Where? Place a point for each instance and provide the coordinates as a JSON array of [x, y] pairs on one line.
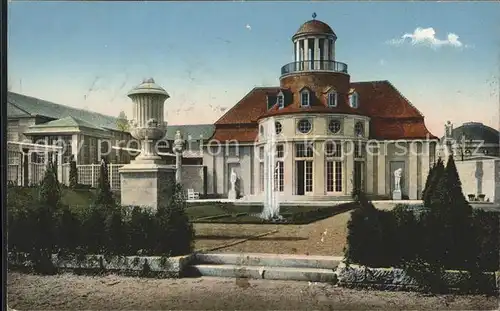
[[271, 210]]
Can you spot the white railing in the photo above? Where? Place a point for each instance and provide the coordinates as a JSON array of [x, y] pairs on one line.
[[88, 174]]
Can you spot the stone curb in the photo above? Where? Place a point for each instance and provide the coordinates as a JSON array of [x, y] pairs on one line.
[[171, 266], [353, 276]]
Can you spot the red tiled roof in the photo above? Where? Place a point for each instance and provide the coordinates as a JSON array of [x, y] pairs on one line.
[[392, 115], [239, 134], [249, 108]]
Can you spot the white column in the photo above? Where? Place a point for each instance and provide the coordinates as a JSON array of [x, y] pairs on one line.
[[332, 53], [369, 170], [319, 170], [317, 54], [306, 54], [413, 167], [326, 50], [425, 163], [349, 167], [297, 51], [381, 172], [288, 167]]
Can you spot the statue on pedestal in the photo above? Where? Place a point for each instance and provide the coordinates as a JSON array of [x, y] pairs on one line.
[[396, 194], [232, 191], [397, 179]]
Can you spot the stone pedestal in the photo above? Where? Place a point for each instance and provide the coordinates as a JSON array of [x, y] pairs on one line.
[[396, 195], [145, 184], [231, 195]]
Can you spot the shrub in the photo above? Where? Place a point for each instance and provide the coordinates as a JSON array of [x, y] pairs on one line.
[[175, 231], [50, 189], [40, 230], [73, 175], [104, 194]]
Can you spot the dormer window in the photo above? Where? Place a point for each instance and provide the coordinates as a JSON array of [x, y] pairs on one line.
[[354, 100], [305, 98], [332, 99], [280, 100]]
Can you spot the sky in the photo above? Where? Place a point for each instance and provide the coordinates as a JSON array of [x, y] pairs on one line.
[[443, 56]]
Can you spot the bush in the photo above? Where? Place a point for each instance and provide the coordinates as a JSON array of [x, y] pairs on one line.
[[40, 231], [104, 194], [446, 234], [73, 175]]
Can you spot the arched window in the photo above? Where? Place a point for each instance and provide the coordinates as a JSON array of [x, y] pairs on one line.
[[354, 100], [332, 99], [280, 100], [305, 98]]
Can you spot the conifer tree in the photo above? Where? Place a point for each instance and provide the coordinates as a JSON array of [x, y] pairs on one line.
[[104, 194], [50, 190], [73, 174]]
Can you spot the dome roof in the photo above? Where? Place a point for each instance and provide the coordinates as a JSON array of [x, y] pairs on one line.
[[314, 26], [148, 86], [476, 131]]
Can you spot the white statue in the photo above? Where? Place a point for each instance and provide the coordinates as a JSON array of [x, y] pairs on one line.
[[234, 177], [397, 179], [232, 190]]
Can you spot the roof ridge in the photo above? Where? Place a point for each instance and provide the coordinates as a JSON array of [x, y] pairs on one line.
[[53, 103]]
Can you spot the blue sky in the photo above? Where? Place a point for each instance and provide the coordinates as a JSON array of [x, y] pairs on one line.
[[208, 55]]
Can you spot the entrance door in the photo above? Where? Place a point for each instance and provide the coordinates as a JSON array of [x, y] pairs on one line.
[[300, 174]]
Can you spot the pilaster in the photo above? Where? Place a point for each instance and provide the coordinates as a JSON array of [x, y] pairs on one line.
[[413, 167], [349, 167], [319, 170], [382, 171]]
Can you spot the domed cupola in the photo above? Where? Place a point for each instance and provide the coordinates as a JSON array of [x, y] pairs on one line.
[[314, 49]]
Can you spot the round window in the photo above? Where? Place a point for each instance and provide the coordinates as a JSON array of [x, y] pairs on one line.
[[334, 126], [278, 127], [359, 129], [304, 126]]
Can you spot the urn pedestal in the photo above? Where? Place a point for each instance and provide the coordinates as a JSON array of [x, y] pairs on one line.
[[145, 184], [396, 195]]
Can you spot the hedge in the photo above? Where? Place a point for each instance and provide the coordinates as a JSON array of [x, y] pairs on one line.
[[44, 227]]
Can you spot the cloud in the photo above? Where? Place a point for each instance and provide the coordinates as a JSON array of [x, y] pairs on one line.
[[381, 62], [427, 37], [248, 27]]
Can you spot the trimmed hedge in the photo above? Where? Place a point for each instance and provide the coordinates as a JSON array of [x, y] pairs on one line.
[[378, 238], [44, 226]]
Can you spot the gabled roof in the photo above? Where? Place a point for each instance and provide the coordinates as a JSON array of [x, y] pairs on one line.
[[249, 108], [392, 115], [68, 122], [38, 107]]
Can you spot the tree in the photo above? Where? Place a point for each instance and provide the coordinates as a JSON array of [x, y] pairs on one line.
[[73, 174], [122, 122], [104, 194], [428, 181], [434, 175], [50, 189]]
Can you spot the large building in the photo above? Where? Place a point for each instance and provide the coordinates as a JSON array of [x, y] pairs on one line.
[[324, 123], [332, 134]]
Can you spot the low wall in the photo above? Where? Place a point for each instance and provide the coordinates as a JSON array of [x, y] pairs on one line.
[[156, 265], [354, 276], [480, 177]]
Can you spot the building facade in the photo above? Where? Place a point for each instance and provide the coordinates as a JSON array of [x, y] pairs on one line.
[[333, 135]]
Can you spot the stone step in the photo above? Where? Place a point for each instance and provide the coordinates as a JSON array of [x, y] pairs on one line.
[[262, 272], [269, 260]]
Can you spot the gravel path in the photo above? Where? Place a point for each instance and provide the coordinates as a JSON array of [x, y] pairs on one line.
[[71, 292], [324, 237]]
